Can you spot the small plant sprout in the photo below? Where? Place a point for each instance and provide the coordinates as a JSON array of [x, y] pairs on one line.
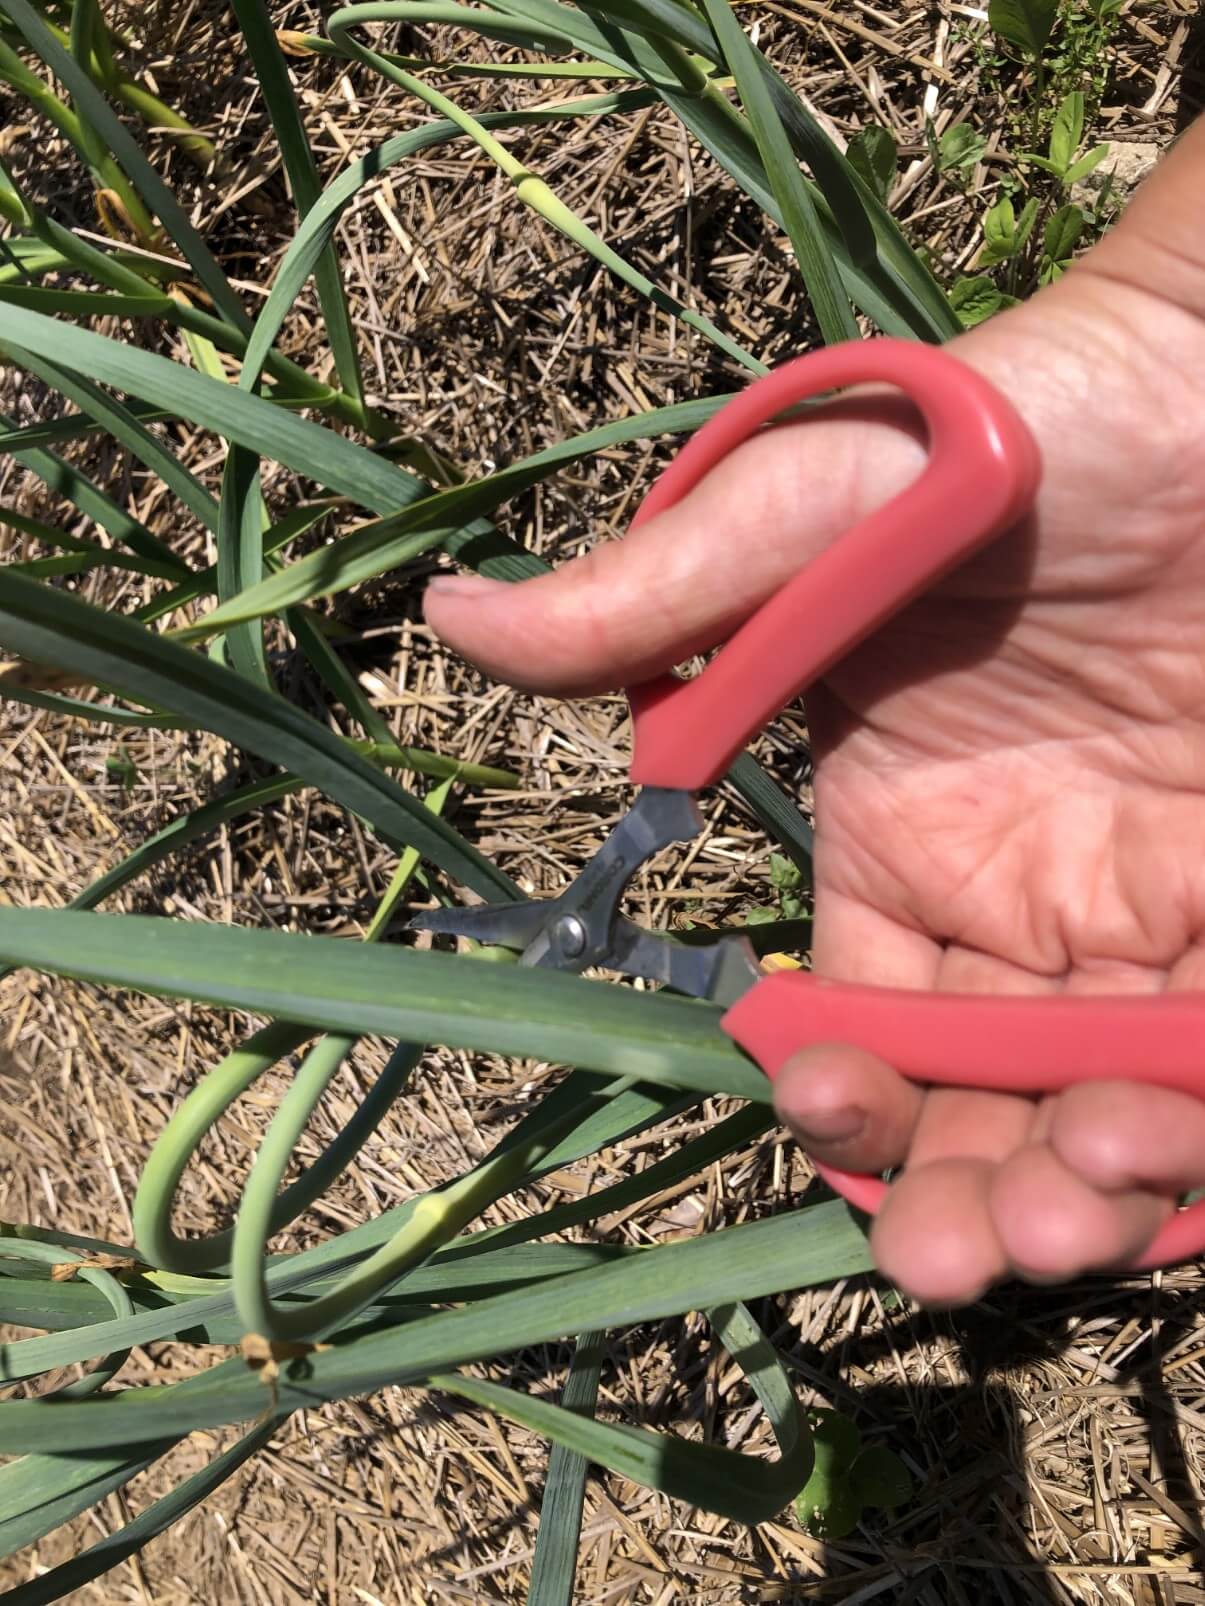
[[1066, 135], [847, 1478]]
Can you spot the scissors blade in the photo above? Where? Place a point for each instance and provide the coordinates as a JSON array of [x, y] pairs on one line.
[[579, 934], [506, 925], [574, 932], [721, 971]]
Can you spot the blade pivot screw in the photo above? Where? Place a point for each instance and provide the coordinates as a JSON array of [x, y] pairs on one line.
[[570, 936]]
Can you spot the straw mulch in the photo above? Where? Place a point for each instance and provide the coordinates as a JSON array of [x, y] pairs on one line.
[[1055, 1437]]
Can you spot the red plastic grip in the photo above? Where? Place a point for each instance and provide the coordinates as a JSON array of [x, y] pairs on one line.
[[982, 472], [1008, 1044]]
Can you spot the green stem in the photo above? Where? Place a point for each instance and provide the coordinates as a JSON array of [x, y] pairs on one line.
[[67, 250], [436, 1218], [263, 1209], [104, 70], [313, 45], [531, 189], [105, 170], [156, 114]]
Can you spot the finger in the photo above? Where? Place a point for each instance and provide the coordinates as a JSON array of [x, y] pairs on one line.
[[934, 1237], [956, 1124], [1118, 1136], [630, 609], [847, 1108], [1053, 1225]]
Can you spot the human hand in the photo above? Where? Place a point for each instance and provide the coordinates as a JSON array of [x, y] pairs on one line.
[[1010, 776]]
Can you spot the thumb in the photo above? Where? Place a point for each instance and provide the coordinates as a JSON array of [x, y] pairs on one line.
[[682, 582], [686, 579]]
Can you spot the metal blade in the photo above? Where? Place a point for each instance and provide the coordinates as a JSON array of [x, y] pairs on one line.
[[582, 928], [577, 928], [506, 925], [721, 971]]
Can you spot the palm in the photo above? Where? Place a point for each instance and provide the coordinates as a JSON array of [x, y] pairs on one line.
[[1009, 784], [1019, 811]]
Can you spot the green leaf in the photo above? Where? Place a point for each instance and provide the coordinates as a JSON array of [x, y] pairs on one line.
[[121, 425], [873, 154], [827, 1506], [241, 559], [40, 1492], [836, 1436], [1062, 233], [93, 713], [298, 158], [336, 676], [830, 1511], [890, 284], [452, 1275], [816, 263], [318, 226], [93, 106], [1067, 130], [241, 533], [74, 427], [388, 543], [742, 1487], [178, 833], [1090, 160], [67, 481], [120, 767], [87, 303], [12, 207], [879, 1478], [204, 582], [975, 300], [959, 147], [332, 460], [53, 627], [555, 1562], [760, 916], [1025, 24], [50, 1306], [72, 1575], [1025, 222], [1044, 162], [774, 810], [529, 188], [745, 1126], [796, 1249], [661, 21], [1000, 229], [395, 993], [784, 875]]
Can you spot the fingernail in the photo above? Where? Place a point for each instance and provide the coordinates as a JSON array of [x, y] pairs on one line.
[[831, 1126], [464, 585]]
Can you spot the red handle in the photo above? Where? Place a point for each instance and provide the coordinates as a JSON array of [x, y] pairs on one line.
[[1009, 1044], [982, 472]]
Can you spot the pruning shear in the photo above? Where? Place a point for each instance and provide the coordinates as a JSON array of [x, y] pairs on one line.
[[981, 477]]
